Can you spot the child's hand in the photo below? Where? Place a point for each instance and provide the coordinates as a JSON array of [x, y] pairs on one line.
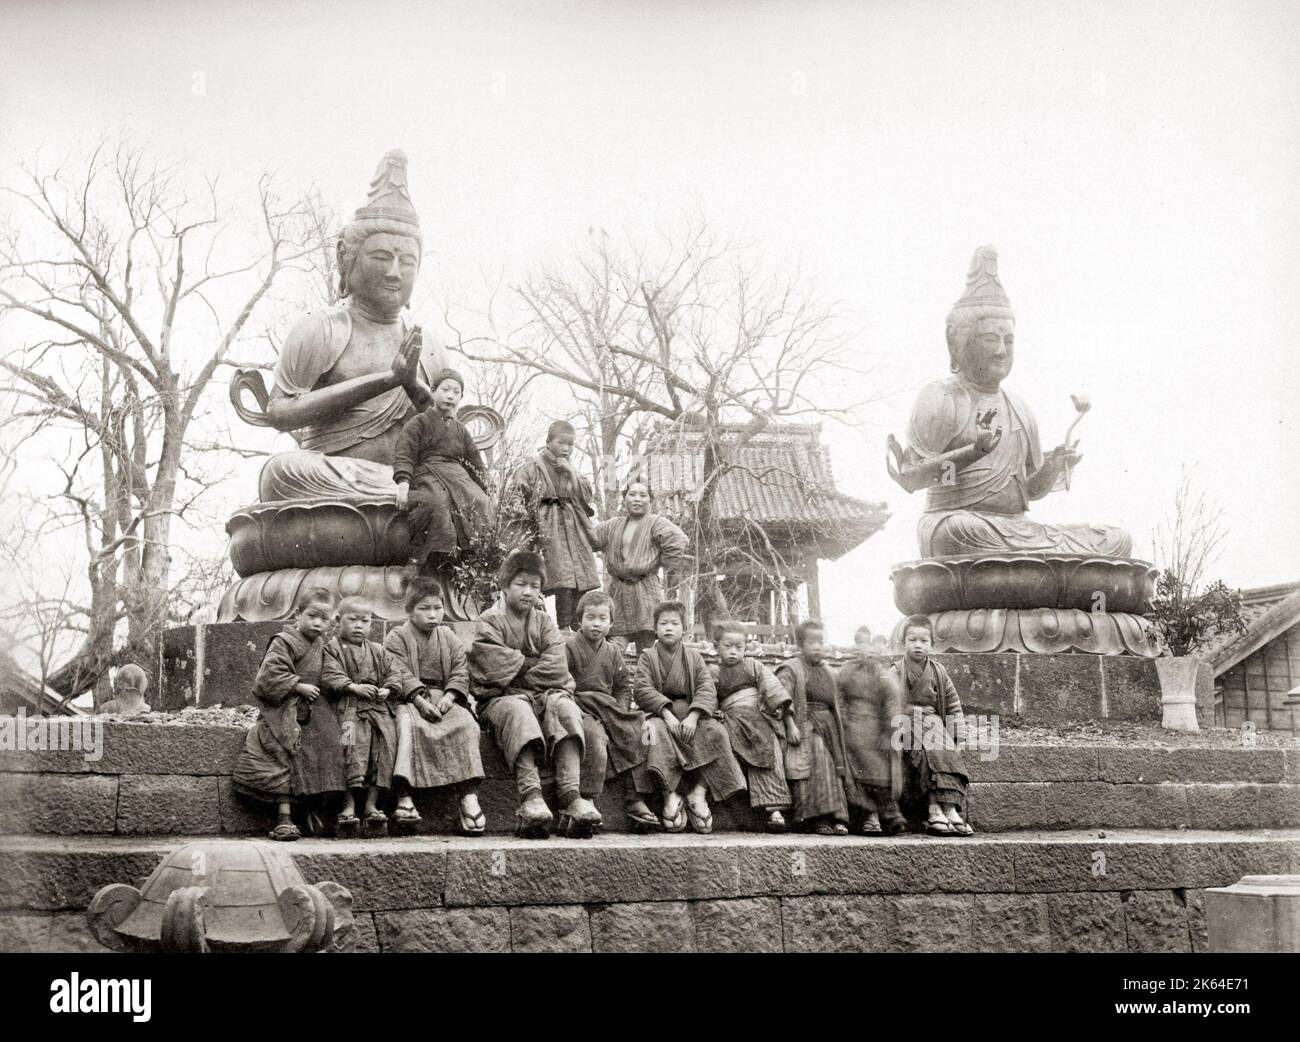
[[427, 709], [403, 494], [445, 703], [792, 734], [671, 722], [364, 690], [689, 726], [385, 693], [307, 692]]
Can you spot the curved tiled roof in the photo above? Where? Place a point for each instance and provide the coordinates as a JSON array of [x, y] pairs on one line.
[[780, 477]]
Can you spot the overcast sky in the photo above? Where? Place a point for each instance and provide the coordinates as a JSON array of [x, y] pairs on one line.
[[1134, 164]]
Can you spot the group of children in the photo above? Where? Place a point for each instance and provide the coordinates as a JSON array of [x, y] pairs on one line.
[[346, 720]]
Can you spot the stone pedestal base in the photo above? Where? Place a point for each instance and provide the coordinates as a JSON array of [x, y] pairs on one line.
[[1257, 914], [1040, 631], [270, 596]]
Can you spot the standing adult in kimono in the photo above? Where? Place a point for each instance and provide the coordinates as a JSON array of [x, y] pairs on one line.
[[636, 546]]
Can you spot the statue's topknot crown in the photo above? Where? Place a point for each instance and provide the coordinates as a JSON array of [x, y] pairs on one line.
[[983, 289], [389, 199]]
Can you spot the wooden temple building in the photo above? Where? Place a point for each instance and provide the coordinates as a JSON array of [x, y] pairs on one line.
[[1257, 673], [777, 510]]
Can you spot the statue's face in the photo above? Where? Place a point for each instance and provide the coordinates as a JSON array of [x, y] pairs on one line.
[[383, 274], [990, 351]]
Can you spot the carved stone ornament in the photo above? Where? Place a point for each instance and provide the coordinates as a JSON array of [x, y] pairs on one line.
[[231, 896], [1040, 631], [270, 596]]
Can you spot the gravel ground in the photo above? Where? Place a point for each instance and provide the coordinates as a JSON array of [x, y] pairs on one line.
[[1115, 732]]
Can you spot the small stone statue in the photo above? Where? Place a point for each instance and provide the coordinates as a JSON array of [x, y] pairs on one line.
[[974, 445]]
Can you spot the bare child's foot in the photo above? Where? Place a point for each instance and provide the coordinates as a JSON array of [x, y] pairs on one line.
[[959, 826], [473, 822], [937, 823]]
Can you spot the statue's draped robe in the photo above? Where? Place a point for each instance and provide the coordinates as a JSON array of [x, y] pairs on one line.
[[934, 724], [433, 753], [751, 702], [369, 724], [548, 493], [448, 497], [632, 578], [295, 748], [519, 673], [679, 680], [984, 509], [603, 688], [315, 344]]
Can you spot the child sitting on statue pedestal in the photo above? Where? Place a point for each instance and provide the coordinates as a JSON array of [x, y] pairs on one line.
[[558, 501], [437, 734], [615, 728], [933, 727], [366, 682], [440, 478], [129, 687], [519, 673], [687, 747], [755, 708], [294, 751]]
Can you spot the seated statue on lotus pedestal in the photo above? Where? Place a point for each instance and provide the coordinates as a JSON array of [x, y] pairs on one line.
[[991, 577], [347, 380]]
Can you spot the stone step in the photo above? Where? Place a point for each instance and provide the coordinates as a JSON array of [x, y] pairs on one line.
[[1061, 891], [148, 779]]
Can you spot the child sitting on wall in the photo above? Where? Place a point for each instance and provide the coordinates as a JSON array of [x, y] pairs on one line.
[[932, 728], [687, 747], [615, 728], [366, 681], [755, 708], [294, 751], [519, 672], [437, 733]]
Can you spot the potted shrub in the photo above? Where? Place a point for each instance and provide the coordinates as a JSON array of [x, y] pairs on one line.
[[1185, 621]]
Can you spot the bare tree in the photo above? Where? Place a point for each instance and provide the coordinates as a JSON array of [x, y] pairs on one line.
[[689, 335], [127, 290]]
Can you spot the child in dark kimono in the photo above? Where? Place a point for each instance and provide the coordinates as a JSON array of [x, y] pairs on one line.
[[934, 728], [869, 703], [815, 760], [437, 733], [519, 673], [558, 502], [755, 708], [366, 682], [440, 477], [294, 751], [675, 690], [615, 728]]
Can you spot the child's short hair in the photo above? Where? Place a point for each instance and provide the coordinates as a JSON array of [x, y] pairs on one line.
[[862, 632], [806, 627], [520, 562], [665, 607], [918, 622], [637, 479], [131, 678], [721, 629], [442, 375], [419, 588], [313, 595], [354, 606], [595, 599], [560, 427]]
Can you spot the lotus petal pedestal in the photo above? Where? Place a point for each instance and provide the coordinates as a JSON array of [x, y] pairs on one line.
[[1043, 604]]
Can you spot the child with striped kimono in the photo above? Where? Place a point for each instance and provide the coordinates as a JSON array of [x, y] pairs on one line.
[[437, 733], [687, 748]]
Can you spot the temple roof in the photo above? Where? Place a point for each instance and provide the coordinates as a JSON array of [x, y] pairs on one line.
[[782, 480], [1267, 611]]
